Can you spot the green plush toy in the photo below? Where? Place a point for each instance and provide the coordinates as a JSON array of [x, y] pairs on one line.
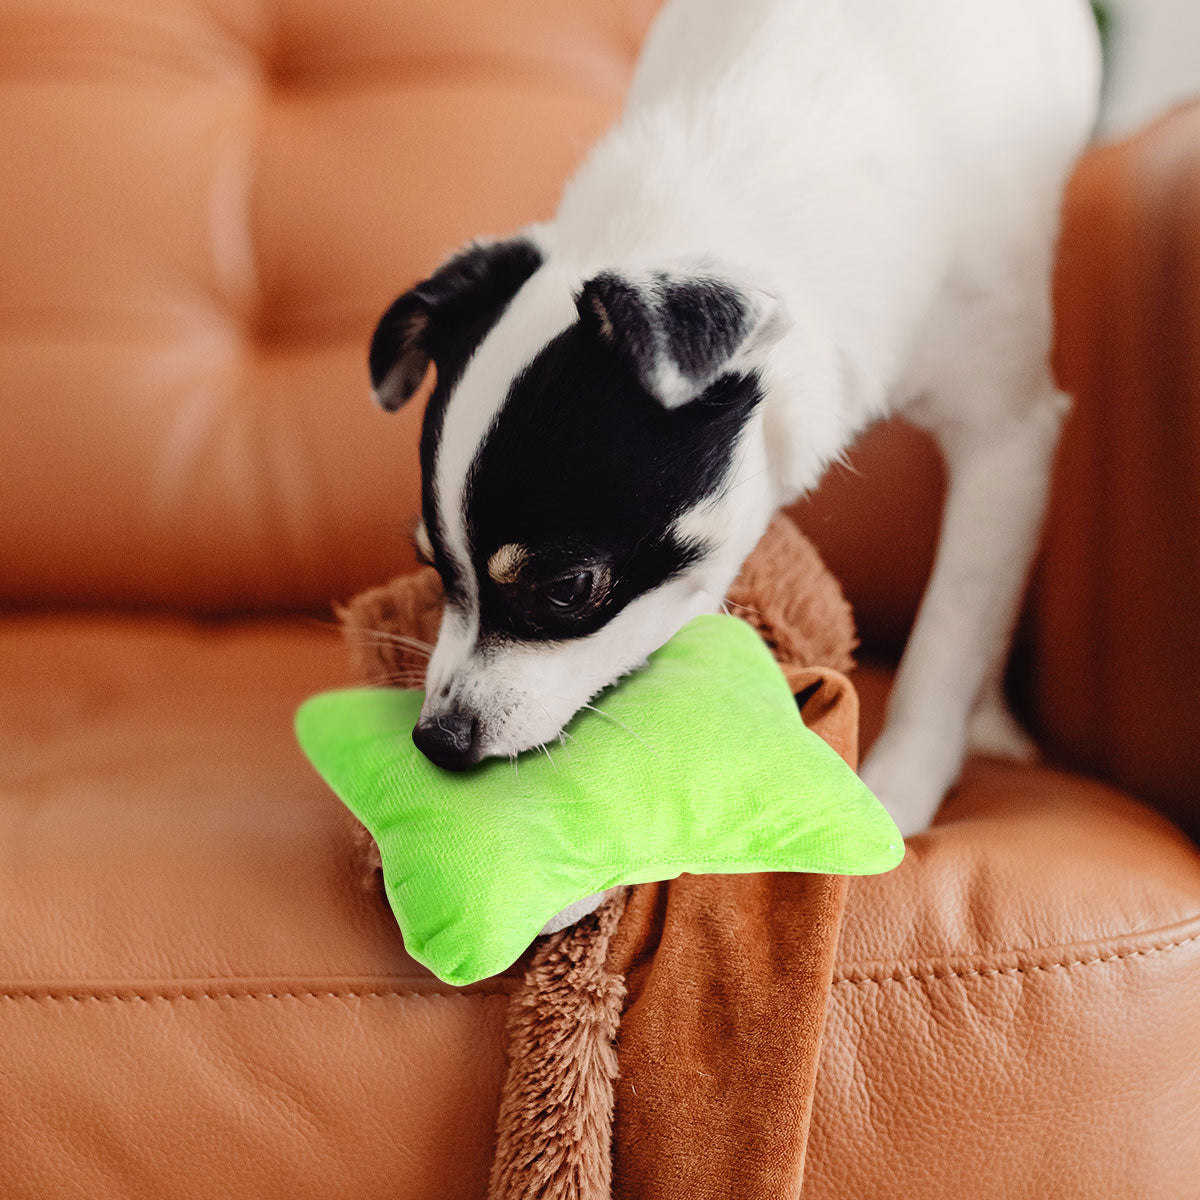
[[698, 762]]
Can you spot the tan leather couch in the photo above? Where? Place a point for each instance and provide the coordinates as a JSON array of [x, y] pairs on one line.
[[205, 205]]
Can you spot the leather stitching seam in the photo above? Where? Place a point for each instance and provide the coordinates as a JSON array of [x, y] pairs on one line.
[[991, 972], [153, 997], [854, 981]]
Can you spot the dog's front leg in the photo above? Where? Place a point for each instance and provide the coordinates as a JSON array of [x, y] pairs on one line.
[[998, 479]]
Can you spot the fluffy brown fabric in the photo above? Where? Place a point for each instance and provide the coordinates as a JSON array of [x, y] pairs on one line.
[[391, 629], [786, 592], [723, 978], [554, 1128]]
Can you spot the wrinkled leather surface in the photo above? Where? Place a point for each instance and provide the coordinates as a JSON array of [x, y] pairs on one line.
[[197, 998], [205, 207], [1016, 1013]]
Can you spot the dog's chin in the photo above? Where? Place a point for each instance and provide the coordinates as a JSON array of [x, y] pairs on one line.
[[509, 738]]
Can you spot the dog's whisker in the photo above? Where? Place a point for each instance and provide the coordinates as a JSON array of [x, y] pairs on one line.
[[616, 721], [746, 608], [397, 639], [355, 631], [562, 733], [415, 682], [400, 662], [404, 670]]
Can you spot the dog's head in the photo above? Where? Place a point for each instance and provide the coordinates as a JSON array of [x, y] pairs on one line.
[[589, 484]]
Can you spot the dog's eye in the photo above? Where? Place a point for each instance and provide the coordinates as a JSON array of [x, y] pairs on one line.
[[569, 592]]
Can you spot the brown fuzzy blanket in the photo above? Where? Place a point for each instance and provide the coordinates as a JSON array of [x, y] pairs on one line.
[[666, 1045]]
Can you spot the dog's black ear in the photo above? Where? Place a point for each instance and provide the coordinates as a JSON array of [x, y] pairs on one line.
[[445, 317], [681, 331]]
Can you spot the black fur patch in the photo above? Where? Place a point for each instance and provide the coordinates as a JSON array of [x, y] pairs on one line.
[[695, 323], [444, 319], [617, 312], [705, 321], [583, 467]]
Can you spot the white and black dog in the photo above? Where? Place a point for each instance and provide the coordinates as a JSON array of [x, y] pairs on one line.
[[812, 213]]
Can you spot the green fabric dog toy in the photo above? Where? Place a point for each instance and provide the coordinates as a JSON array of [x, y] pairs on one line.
[[699, 762]]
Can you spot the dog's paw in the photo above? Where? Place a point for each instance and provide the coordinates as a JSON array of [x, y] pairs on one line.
[[910, 776], [993, 731]]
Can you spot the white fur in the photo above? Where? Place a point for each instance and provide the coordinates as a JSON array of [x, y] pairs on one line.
[[892, 174], [539, 311]]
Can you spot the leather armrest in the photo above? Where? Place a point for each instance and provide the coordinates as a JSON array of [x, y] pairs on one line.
[[1116, 614]]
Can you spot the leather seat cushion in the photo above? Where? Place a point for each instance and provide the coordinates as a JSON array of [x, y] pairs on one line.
[[187, 959], [199, 997]]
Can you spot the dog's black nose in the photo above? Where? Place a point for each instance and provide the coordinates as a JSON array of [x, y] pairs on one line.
[[448, 741]]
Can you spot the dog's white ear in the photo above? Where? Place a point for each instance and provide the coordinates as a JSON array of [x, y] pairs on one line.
[[445, 317], [680, 331]]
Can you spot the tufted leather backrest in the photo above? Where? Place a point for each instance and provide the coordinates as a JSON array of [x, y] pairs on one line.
[[206, 205]]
